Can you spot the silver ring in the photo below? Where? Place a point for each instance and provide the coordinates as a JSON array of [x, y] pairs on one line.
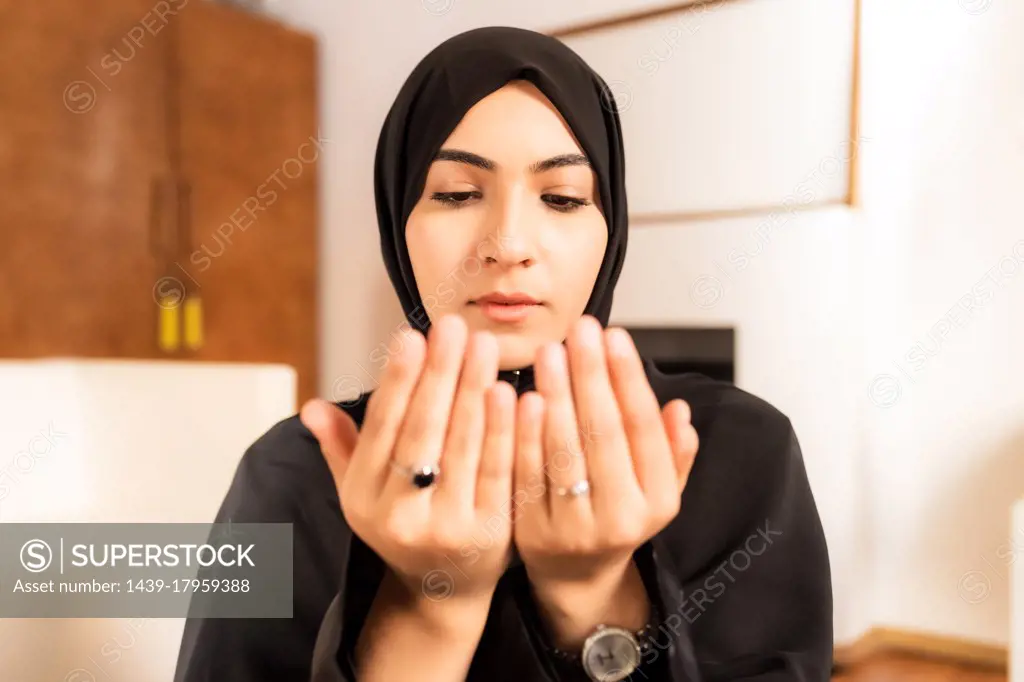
[[422, 476], [580, 487]]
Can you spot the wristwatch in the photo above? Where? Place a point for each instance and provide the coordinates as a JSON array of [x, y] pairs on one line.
[[610, 653]]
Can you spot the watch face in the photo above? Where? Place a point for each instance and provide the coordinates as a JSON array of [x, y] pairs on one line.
[[611, 655]]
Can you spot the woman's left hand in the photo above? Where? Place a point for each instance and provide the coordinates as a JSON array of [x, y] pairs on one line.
[[595, 418]]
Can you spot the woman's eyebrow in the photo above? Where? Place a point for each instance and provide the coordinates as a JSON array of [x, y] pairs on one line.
[[560, 161], [469, 158]]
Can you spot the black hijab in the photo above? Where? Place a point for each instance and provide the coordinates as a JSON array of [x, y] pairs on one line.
[[442, 88]]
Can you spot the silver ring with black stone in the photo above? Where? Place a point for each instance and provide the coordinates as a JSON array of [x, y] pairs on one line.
[[422, 476]]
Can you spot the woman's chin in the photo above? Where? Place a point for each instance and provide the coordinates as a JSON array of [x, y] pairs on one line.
[[516, 351]]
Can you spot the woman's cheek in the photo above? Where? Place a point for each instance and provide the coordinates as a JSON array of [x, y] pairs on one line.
[[430, 304], [445, 292]]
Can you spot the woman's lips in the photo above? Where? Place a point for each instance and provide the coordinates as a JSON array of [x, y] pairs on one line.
[[506, 312]]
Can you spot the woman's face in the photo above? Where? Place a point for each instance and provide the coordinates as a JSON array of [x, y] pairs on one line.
[[508, 231]]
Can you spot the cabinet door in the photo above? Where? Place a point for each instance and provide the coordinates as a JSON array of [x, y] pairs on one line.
[[247, 129], [81, 138]]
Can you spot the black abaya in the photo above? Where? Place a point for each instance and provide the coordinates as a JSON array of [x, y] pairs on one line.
[[740, 577]]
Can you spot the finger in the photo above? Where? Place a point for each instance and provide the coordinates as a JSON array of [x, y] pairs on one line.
[[460, 458], [641, 413], [493, 487], [683, 437], [530, 484], [608, 462], [336, 433], [563, 457], [386, 410], [422, 434]]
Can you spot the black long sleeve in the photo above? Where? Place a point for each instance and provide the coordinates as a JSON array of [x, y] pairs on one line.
[[745, 566], [509, 650], [741, 576]]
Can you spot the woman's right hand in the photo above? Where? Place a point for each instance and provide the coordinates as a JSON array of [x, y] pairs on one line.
[[450, 541]]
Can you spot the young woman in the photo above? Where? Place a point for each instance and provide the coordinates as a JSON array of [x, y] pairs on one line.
[[521, 498]]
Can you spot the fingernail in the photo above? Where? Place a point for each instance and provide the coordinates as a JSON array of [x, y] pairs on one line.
[[619, 341], [555, 356], [589, 332]]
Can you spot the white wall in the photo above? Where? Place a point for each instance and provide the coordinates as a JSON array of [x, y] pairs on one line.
[[913, 496], [797, 344], [730, 105], [944, 104]]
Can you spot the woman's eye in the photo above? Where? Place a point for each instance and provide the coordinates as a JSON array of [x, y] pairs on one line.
[[562, 203], [455, 199]]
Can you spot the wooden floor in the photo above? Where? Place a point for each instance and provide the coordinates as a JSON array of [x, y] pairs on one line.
[[906, 669]]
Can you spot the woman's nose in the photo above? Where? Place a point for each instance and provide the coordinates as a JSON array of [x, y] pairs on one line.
[[511, 241], [510, 250]]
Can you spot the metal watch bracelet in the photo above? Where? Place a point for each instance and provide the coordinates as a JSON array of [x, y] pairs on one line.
[[643, 637]]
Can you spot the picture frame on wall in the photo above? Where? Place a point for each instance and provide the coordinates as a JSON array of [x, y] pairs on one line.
[[732, 107]]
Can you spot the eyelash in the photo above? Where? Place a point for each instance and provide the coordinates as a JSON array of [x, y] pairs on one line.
[[564, 203]]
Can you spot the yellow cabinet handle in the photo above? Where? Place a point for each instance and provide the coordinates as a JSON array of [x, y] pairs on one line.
[[193, 323], [168, 324]]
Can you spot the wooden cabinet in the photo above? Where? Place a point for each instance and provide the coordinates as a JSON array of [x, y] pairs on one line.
[[249, 149], [159, 166], [77, 152]]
